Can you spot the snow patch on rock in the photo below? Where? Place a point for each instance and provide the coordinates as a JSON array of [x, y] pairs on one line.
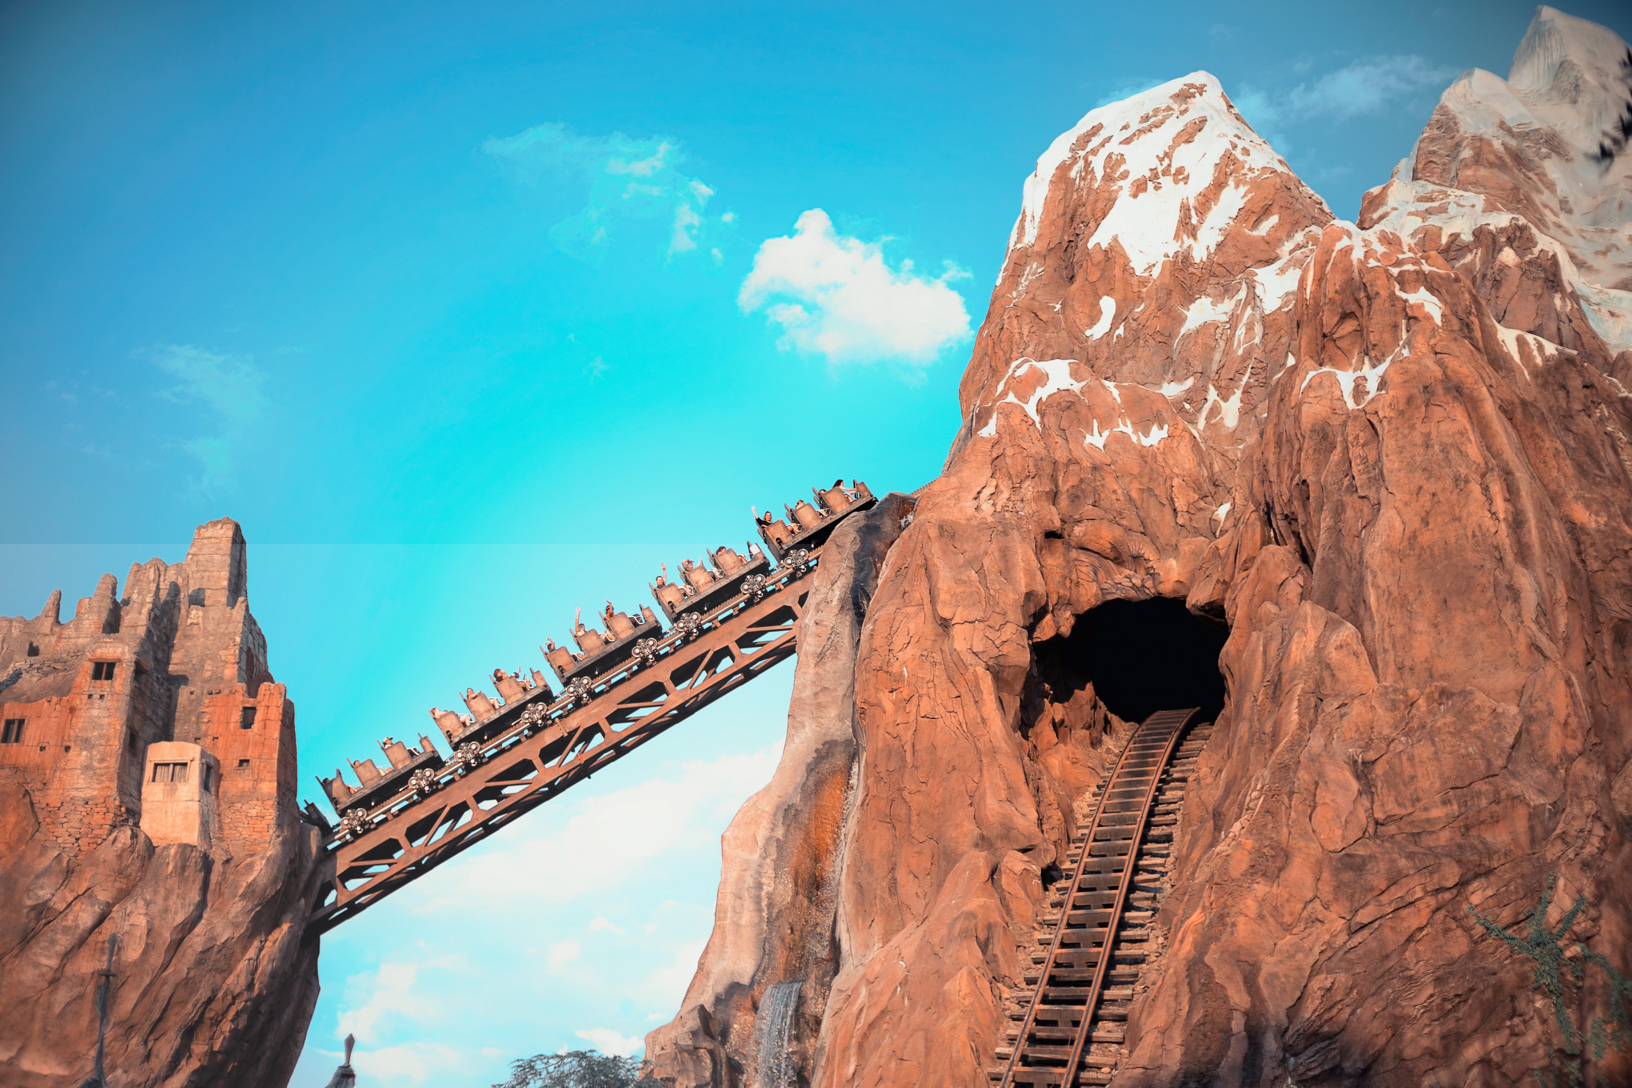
[[1058, 375], [1153, 437], [1348, 379], [1204, 311], [1229, 408], [1057, 379], [1540, 347], [1107, 313], [1275, 284], [1427, 301]]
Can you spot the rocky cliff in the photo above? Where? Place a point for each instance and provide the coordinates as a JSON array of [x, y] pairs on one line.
[[1390, 458], [147, 795]]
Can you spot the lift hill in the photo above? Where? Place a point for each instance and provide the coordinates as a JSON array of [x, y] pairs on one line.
[[730, 619]]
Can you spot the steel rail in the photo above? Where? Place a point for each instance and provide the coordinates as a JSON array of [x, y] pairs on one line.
[[1146, 739]]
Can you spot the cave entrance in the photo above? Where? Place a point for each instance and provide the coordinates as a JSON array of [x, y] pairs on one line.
[[1140, 657]]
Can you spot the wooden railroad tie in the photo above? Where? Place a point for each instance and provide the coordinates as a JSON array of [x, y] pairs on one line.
[[1069, 1028]]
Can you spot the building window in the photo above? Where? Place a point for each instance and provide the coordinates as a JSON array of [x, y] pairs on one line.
[[206, 778], [243, 764], [103, 670], [169, 772], [130, 740], [13, 733], [246, 718]]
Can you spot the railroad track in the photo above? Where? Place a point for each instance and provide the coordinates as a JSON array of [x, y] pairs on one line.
[[1069, 1029]]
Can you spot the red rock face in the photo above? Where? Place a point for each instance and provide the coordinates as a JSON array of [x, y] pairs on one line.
[[214, 981], [1397, 461]]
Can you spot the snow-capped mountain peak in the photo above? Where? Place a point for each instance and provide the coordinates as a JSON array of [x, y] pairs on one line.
[[1577, 77], [1184, 156], [1534, 173]]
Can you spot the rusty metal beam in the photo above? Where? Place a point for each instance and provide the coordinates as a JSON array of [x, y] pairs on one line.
[[544, 749]]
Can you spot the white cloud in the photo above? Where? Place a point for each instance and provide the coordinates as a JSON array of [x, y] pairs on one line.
[[411, 1063], [605, 840], [836, 296], [390, 993], [563, 953], [608, 1041], [601, 922], [643, 168], [1365, 86], [685, 221], [230, 389], [1361, 87], [628, 178], [229, 384]]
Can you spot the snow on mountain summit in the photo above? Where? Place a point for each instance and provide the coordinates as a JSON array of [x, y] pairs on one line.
[[1539, 161], [1159, 243], [1151, 287], [1182, 156], [1577, 77]]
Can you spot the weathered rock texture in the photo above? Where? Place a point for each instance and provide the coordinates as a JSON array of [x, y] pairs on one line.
[[1395, 459], [774, 919], [213, 982]]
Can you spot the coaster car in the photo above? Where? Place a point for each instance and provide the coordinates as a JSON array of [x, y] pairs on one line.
[[480, 723], [705, 585], [376, 785], [602, 651], [809, 525], [456, 727]]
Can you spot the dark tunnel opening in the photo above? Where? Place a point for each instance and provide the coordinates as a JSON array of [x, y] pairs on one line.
[[1141, 657]]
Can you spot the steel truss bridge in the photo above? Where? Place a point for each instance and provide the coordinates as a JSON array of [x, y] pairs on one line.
[[729, 622]]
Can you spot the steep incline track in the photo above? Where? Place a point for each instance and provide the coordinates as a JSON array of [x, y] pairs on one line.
[[547, 749], [729, 625], [1090, 956]]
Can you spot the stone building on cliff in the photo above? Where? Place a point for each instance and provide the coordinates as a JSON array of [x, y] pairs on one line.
[[177, 662], [147, 793]]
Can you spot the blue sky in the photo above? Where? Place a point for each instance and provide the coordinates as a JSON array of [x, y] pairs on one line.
[[473, 313]]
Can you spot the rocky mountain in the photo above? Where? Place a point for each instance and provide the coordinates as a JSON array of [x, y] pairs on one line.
[[1524, 185], [1391, 458]]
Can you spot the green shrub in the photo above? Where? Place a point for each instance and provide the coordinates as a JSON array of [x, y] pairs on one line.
[[1562, 979]]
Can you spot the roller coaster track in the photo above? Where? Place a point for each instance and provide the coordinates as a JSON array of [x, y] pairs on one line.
[[424, 810], [1071, 1026]]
